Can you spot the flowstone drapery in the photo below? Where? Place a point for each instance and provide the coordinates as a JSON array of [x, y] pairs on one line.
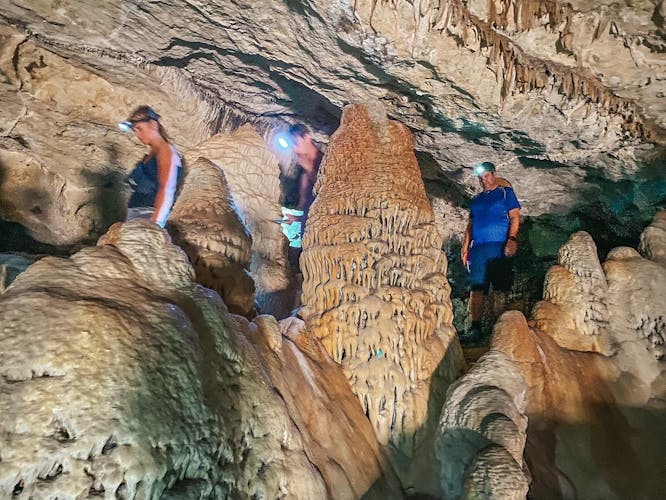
[[252, 172], [206, 224], [375, 289]]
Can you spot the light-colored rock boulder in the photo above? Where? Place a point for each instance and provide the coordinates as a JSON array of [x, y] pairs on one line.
[[120, 376]]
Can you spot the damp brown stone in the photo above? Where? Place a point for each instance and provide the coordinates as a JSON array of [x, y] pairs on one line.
[[206, 224], [375, 290]]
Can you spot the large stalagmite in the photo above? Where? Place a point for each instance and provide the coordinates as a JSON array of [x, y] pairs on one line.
[[206, 224], [252, 172], [375, 289]]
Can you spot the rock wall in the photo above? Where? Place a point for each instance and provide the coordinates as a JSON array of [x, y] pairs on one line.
[[205, 223], [62, 158], [252, 172], [519, 82], [134, 381], [374, 277]]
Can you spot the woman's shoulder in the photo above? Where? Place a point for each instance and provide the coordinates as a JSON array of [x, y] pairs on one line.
[[168, 151]]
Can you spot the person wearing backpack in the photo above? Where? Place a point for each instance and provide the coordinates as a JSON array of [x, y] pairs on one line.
[[489, 243]]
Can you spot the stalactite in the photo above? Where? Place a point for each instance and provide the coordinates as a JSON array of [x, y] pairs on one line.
[[519, 72]]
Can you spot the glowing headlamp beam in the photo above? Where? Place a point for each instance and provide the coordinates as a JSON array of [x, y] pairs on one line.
[[125, 126], [479, 169]]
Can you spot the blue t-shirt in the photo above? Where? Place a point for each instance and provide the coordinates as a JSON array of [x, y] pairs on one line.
[[490, 215]]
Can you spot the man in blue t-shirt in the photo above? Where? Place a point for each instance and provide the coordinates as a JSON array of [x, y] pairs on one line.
[[491, 239]]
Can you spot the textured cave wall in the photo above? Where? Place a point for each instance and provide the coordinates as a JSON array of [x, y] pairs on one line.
[[374, 278], [569, 86], [595, 419], [62, 158], [252, 172], [134, 381], [205, 223], [482, 432]]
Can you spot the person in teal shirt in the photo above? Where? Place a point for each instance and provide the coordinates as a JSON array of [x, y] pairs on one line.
[[297, 204]]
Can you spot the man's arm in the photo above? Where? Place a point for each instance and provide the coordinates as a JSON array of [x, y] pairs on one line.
[[511, 246], [467, 240]]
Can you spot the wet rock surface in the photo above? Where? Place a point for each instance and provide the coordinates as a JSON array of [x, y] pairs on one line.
[[134, 381]]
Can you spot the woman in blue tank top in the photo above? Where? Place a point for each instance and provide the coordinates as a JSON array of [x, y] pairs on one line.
[[155, 179]]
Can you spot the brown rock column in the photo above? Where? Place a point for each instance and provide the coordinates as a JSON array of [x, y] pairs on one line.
[[205, 223], [375, 290]]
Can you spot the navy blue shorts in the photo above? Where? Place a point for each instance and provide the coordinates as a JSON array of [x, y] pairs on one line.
[[488, 265]]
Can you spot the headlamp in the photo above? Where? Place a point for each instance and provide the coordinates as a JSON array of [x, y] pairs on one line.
[[283, 141], [482, 168], [125, 126]]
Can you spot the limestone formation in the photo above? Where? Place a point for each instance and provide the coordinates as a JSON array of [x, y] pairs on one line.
[[482, 431], [653, 239], [252, 173], [206, 224], [341, 441], [375, 289], [575, 309], [521, 82], [121, 377], [595, 421]]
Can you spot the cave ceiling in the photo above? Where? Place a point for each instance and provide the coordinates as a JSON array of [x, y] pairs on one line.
[[555, 93]]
